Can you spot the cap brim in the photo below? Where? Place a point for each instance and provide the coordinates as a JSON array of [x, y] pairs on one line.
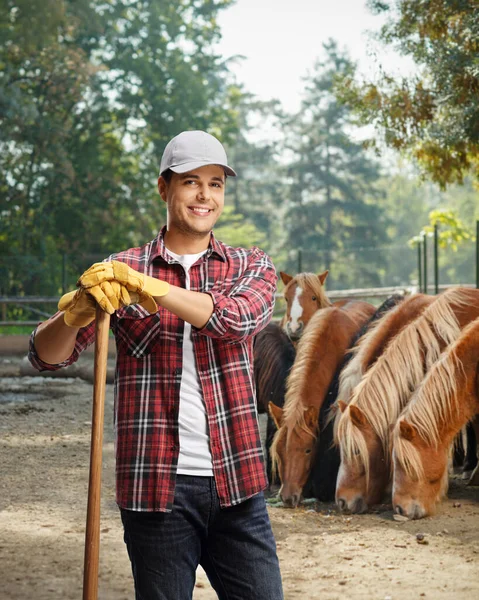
[[191, 166]]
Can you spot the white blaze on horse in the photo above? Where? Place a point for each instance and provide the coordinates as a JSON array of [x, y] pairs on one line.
[[304, 295]]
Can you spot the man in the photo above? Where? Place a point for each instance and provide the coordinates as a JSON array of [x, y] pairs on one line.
[[189, 462]]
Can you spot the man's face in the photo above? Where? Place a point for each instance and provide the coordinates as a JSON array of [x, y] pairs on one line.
[[195, 200]]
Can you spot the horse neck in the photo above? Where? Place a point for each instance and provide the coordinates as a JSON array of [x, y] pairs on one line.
[[319, 355], [388, 327], [448, 397]]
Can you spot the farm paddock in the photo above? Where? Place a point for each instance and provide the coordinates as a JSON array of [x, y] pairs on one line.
[[44, 453]]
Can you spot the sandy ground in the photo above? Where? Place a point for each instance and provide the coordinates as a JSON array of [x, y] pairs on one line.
[[44, 456]]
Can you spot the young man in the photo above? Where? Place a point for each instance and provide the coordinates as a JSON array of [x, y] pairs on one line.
[[189, 467]]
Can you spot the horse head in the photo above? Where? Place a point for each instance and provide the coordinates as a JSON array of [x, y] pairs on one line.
[[420, 472], [304, 294], [364, 470], [292, 452]]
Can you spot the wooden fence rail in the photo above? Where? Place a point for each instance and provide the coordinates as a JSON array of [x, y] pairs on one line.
[[360, 294]]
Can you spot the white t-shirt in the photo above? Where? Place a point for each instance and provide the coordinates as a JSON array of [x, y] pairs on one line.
[[195, 453]]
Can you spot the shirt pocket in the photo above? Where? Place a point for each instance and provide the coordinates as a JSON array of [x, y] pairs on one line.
[[137, 332]]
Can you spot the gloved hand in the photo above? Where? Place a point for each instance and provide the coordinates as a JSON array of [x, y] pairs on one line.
[[80, 306], [112, 295], [118, 271]]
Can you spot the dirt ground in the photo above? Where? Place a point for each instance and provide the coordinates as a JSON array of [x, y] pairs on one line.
[[44, 457]]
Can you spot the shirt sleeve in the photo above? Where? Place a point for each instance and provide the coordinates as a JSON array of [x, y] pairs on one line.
[[248, 306], [85, 337]]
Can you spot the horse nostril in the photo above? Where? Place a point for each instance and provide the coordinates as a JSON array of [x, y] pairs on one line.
[[399, 510], [341, 504]]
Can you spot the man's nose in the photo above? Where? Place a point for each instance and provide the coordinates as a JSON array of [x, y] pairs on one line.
[[203, 192]]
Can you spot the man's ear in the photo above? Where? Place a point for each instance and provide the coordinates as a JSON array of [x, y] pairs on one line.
[[162, 188]]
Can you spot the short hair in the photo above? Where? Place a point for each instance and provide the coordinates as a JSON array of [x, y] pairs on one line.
[[167, 175]]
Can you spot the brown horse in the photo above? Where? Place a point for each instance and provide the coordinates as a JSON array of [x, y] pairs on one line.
[[373, 343], [274, 356], [363, 429], [320, 352], [304, 295], [446, 400]]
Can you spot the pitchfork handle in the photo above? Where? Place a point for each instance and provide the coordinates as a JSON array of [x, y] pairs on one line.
[[92, 534]]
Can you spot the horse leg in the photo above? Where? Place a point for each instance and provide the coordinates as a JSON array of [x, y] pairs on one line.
[[474, 427], [270, 431], [458, 455]]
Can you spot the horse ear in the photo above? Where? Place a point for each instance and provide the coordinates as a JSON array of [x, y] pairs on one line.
[[357, 416], [407, 431], [342, 405], [311, 415], [285, 278], [322, 277], [276, 413]]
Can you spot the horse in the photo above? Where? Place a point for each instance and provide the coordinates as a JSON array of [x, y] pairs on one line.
[[373, 343], [363, 426], [304, 295], [273, 357], [445, 401], [320, 352], [321, 483]]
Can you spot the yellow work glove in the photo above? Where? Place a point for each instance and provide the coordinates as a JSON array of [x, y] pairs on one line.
[[80, 306], [112, 295], [118, 271]]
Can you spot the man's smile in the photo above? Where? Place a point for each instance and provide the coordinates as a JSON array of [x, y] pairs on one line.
[[200, 211]]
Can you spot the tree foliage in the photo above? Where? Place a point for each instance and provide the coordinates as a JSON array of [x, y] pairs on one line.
[[90, 92], [334, 202], [434, 114]]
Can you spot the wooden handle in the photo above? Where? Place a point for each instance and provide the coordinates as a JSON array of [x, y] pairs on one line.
[[92, 534]]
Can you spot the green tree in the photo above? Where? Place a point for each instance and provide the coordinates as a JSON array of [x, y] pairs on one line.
[[259, 192], [334, 202], [433, 115], [90, 91]]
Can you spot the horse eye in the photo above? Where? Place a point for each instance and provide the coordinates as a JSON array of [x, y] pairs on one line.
[[313, 298], [307, 451]]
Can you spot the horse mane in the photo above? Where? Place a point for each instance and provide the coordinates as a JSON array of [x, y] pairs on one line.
[[433, 403], [387, 385], [311, 280], [306, 352], [353, 371]]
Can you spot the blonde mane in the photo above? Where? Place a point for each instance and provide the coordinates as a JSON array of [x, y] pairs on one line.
[[293, 410], [434, 403], [311, 281], [352, 373], [387, 385]]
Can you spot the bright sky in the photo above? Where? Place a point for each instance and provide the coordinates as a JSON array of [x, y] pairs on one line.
[[281, 40]]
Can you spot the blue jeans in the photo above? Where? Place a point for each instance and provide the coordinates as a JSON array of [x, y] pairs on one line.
[[234, 545]]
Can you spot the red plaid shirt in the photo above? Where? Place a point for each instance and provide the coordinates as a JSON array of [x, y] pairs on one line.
[[242, 284]]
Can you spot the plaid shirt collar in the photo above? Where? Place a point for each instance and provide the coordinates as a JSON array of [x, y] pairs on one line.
[[158, 248]]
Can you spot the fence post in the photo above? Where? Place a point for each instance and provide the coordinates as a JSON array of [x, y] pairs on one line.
[[425, 261], [419, 265], [64, 273], [477, 254], [436, 262], [300, 260]]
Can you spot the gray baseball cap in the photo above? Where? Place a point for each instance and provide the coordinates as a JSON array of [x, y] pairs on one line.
[[193, 149]]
